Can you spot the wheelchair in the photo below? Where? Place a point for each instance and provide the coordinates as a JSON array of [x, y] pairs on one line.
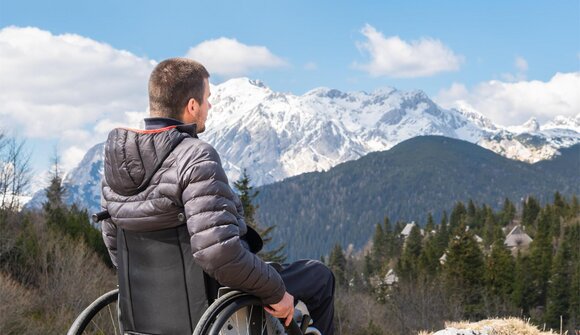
[[162, 291], [233, 313]]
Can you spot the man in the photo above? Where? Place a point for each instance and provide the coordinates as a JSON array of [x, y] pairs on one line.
[[155, 175]]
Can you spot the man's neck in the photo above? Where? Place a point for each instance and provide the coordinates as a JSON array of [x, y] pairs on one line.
[[160, 122]]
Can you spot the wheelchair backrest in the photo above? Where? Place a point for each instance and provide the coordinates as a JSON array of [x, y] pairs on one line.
[[161, 289]]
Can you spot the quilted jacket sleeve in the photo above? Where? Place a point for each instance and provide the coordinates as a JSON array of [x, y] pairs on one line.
[[109, 232], [215, 223]]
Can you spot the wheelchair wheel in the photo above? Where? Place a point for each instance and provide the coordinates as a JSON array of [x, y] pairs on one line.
[[100, 318], [237, 313]]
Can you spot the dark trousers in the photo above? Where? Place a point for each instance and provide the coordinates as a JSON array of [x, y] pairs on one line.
[[313, 283]]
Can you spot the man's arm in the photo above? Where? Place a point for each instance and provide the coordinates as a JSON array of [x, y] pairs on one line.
[[109, 232], [215, 226]]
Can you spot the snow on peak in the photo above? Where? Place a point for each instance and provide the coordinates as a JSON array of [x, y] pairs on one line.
[[531, 126], [384, 91], [277, 135], [324, 92], [241, 85], [465, 109], [563, 122]]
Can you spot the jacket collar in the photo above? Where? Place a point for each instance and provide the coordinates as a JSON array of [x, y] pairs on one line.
[[160, 122], [152, 123]]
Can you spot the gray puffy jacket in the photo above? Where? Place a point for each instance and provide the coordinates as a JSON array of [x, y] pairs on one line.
[[158, 179]]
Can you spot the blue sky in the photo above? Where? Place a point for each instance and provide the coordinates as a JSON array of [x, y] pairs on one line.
[[488, 34], [453, 50]]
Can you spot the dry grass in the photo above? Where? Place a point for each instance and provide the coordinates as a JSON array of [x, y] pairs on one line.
[[508, 326], [62, 277], [355, 312], [15, 301]]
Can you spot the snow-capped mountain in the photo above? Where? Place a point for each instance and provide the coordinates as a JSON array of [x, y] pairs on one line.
[[82, 184], [277, 135], [532, 142]]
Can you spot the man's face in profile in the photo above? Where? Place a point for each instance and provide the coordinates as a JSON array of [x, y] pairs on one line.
[[201, 110]]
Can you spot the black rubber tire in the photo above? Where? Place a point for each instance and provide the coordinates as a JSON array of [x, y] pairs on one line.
[[216, 316], [84, 319], [234, 306], [208, 318]]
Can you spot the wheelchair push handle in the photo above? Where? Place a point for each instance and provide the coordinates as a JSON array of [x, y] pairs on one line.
[[293, 328], [100, 216]]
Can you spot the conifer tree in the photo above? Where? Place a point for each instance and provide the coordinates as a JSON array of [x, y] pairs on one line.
[[508, 212], [369, 269], [522, 288], [430, 226], [70, 220], [429, 258], [442, 238], [54, 207], [541, 257], [499, 274], [464, 272], [396, 239], [530, 212], [574, 308], [560, 205], [390, 240], [378, 250], [383, 247], [489, 228], [457, 216], [573, 236], [398, 228], [558, 299], [471, 214], [409, 262], [247, 195], [574, 207], [337, 264]]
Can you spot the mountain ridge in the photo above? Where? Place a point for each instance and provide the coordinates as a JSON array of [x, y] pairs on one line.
[[277, 135], [426, 174], [326, 126]]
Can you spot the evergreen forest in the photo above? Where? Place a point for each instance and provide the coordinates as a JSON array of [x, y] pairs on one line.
[[461, 269], [425, 174], [53, 262]]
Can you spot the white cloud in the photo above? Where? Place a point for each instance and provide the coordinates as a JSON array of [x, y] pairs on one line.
[[71, 157], [510, 104], [456, 91], [521, 65], [393, 57], [60, 86], [229, 58]]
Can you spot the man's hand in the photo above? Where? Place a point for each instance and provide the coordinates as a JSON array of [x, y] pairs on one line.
[[283, 309]]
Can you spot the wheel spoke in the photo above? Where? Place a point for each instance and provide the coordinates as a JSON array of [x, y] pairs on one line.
[[263, 318], [249, 319], [233, 309], [112, 318]]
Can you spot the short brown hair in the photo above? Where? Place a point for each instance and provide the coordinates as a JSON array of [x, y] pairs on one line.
[[172, 83]]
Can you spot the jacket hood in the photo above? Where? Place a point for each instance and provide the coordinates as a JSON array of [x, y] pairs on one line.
[[133, 156]]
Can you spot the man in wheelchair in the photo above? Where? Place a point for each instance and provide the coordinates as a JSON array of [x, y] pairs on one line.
[[176, 230]]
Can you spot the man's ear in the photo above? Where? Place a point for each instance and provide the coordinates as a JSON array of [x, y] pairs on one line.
[[191, 107], [193, 104]]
